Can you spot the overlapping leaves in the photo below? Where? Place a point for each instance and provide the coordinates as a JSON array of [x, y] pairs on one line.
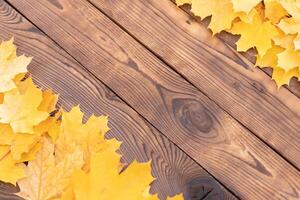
[[65, 158], [270, 26]]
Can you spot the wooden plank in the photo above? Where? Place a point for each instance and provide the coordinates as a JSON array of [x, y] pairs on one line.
[[190, 119], [52, 67], [246, 93]]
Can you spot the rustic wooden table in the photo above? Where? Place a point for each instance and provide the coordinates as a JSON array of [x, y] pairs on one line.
[[214, 126]]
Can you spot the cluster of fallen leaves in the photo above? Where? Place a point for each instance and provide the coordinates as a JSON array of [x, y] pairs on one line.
[[50, 153], [271, 26]]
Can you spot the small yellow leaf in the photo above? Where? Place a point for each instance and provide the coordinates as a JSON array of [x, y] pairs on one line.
[[31, 154], [49, 101], [22, 143], [281, 77], [289, 59], [270, 58], [274, 11], [284, 40], [20, 108], [292, 7], [10, 65], [11, 172], [104, 179], [45, 177], [221, 11], [289, 26], [71, 134], [257, 34]]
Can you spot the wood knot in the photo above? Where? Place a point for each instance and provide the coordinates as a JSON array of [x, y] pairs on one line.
[[57, 4], [203, 188], [192, 115]]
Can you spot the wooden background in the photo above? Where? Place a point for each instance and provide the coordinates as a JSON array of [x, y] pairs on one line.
[[214, 126]]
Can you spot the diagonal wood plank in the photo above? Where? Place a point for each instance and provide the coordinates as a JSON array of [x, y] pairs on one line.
[[189, 118], [246, 93], [52, 67]]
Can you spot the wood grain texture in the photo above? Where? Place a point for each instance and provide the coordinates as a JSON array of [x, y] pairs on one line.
[[226, 77], [53, 68], [186, 116]]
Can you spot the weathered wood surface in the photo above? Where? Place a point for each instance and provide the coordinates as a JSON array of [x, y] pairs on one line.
[[190, 119], [52, 67], [246, 93]]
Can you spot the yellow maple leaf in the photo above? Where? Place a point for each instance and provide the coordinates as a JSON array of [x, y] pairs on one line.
[[10, 65], [73, 134], [289, 26], [284, 40], [17, 143], [289, 59], [20, 108], [49, 101], [274, 11], [257, 34], [270, 58], [292, 7], [22, 144], [104, 178], [221, 11], [11, 172], [30, 155], [45, 177], [282, 77], [244, 5]]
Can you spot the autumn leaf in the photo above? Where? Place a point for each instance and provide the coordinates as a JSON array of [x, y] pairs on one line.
[[270, 58], [11, 172], [47, 178], [289, 59], [74, 134], [282, 76], [10, 65], [274, 11], [289, 26], [20, 108], [221, 11], [104, 178], [257, 34]]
